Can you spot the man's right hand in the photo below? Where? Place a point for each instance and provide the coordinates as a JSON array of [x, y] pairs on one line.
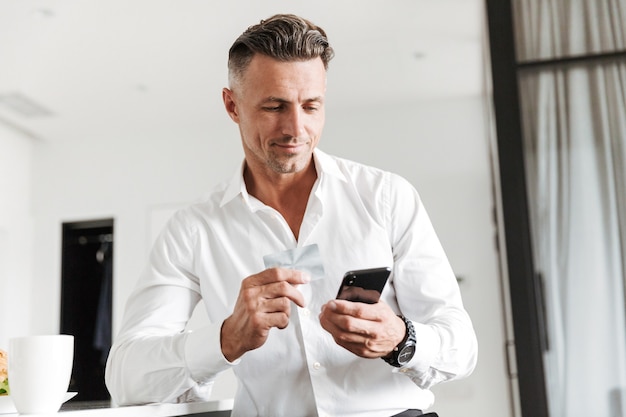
[[264, 302]]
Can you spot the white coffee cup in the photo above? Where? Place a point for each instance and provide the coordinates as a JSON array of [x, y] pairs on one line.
[[40, 368]]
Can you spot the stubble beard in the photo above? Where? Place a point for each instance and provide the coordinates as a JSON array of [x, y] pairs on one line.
[[285, 164], [281, 163]]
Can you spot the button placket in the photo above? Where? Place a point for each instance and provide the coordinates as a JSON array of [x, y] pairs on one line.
[[306, 324]]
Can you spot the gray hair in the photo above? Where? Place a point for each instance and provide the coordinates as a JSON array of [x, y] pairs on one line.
[[284, 37]]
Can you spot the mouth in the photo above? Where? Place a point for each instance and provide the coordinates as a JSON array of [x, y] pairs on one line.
[[291, 146]]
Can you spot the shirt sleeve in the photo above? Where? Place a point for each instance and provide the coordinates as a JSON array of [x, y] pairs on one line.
[[427, 292], [153, 356]]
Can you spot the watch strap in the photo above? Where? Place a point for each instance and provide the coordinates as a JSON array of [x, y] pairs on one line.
[[409, 340]]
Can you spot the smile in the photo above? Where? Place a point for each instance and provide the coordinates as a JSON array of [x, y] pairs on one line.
[[291, 147]]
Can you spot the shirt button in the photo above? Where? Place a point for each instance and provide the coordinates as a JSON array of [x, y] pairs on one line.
[[306, 312], [317, 366]]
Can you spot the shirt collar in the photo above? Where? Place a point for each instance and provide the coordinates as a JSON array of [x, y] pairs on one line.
[[324, 164]]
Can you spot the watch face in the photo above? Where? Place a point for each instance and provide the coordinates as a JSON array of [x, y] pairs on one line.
[[406, 354]]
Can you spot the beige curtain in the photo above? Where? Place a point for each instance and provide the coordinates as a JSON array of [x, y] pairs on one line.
[[574, 128]]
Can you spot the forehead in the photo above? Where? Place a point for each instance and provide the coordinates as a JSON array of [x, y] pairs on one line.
[[268, 76]]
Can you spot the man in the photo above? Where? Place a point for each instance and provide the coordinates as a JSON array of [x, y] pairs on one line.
[[266, 253]]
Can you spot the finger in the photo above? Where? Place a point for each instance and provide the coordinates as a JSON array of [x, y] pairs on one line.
[[365, 342], [283, 289], [359, 344], [371, 312], [276, 305], [365, 350], [271, 275], [354, 329], [342, 326], [278, 319]]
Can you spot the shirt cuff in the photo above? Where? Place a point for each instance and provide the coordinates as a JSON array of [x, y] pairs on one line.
[[203, 354], [426, 350]]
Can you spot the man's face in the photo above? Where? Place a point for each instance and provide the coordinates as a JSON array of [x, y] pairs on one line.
[[279, 107]]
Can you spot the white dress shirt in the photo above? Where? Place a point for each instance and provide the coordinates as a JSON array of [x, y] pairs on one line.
[[360, 217]]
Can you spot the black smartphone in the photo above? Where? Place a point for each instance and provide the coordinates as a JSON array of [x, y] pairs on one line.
[[363, 285]]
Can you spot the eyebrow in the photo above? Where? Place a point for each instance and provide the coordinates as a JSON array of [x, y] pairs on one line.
[[272, 99]]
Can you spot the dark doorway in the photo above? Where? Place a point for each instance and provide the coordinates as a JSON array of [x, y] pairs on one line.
[[86, 302]]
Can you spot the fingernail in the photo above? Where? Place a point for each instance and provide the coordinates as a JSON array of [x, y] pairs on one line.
[[332, 305], [306, 277]]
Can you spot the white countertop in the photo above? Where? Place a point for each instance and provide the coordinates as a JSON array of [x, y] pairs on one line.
[[151, 410]]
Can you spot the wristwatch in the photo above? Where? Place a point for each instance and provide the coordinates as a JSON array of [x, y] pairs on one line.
[[403, 353]]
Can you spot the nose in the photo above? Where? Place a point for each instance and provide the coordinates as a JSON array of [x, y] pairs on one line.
[[293, 123]]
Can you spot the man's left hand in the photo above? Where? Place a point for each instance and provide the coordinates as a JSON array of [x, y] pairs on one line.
[[367, 330]]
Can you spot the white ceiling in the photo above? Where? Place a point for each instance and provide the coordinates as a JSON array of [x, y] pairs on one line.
[[103, 68]]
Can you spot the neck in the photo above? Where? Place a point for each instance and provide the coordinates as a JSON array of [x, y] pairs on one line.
[[286, 193]]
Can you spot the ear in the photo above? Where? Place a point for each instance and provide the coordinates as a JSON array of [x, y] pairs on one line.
[[228, 96]]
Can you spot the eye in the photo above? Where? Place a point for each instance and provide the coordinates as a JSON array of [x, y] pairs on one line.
[[273, 108]]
